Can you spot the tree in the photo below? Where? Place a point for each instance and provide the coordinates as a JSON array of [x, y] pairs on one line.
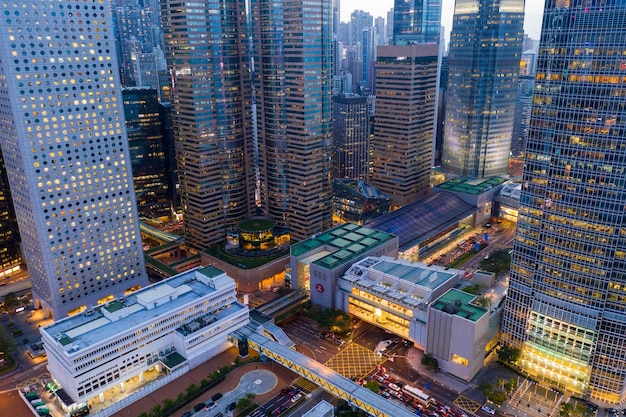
[[475, 289], [508, 354], [498, 397], [243, 403], [498, 262], [430, 362], [510, 385], [191, 390], [372, 385], [486, 389], [10, 302]]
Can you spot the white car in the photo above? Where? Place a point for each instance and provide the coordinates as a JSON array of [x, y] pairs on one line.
[[296, 398], [488, 410]]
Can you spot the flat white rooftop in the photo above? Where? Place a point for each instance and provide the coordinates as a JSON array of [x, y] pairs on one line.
[[99, 323]]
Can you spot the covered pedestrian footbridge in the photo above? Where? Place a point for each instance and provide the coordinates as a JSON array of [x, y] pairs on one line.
[[329, 380]]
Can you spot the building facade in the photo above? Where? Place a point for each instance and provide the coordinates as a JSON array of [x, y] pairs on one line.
[[317, 263], [247, 116], [144, 125], [566, 304], [351, 137], [177, 323], [406, 89], [394, 294], [484, 63], [211, 115], [292, 81], [416, 21], [66, 154], [10, 253]]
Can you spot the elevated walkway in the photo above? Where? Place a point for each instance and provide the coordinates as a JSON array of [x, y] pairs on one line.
[[329, 380]]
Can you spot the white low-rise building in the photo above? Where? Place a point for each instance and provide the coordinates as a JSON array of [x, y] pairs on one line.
[[166, 328], [394, 294]]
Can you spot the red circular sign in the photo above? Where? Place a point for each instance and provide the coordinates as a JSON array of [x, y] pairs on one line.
[[319, 288]]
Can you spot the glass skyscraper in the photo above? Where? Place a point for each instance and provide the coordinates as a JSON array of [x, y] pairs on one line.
[[64, 144], [566, 307], [251, 113], [485, 51], [416, 21]]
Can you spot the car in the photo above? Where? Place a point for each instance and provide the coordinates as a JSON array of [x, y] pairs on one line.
[[231, 406], [296, 398], [394, 387], [216, 396], [198, 407], [488, 410], [210, 406], [219, 415], [487, 225], [187, 414]]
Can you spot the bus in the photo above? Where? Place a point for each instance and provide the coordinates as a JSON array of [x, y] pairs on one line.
[[416, 395]]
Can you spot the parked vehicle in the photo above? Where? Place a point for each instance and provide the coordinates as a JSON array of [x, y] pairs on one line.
[[216, 396]]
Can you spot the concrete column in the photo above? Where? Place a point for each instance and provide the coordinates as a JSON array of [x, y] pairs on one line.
[[101, 397], [141, 377], [122, 386]]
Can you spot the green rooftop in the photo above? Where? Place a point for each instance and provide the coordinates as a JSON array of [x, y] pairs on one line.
[[115, 305], [471, 186], [459, 303], [211, 271], [349, 241]]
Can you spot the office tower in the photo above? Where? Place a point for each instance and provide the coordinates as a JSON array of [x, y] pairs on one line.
[[441, 107], [342, 84], [337, 54], [566, 303], [336, 16], [521, 120], [406, 83], [147, 155], [485, 48], [359, 21], [416, 21], [368, 60], [389, 28], [10, 255], [66, 153], [211, 115], [381, 31], [292, 93], [351, 139]]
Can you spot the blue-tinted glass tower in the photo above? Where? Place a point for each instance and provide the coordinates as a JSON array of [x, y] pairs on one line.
[[485, 51], [416, 21]]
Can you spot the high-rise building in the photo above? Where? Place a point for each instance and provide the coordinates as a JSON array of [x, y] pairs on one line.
[[416, 21], [351, 138], [485, 49], [521, 120], [10, 254], [64, 143], [566, 304], [211, 115], [248, 116], [292, 92], [406, 84], [359, 21], [144, 125]]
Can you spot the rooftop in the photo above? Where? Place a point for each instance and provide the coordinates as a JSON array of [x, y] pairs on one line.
[[344, 243], [471, 186], [459, 303], [416, 273], [423, 219], [102, 322]]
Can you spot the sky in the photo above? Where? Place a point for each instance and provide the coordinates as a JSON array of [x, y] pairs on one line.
[[532, 21]]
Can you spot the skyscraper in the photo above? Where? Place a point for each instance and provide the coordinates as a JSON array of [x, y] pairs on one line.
[[64, 143], [248, 116], [485, 49], [10, 255], [351, 138], [211, 114], [144, 125], [406, 88], [566, 307], [292, 82], [416, 21]]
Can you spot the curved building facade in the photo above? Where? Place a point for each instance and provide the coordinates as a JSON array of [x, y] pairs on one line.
[[485, 51]]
